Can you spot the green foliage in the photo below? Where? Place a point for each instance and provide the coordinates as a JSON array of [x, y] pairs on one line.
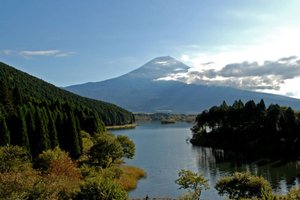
[[19, 180], [41, 140], [100, 189], [17, 97], [13, 158], [72, 137], [105, 151], [6, 98], [164, 117], [87, 142], [4, 132], [191, 195], [241, 185], [294, 193], [43, 160], [127, 145], [191, 180], [39, 126], [60, 177], [32, 87], [250, 128], [18, 129]]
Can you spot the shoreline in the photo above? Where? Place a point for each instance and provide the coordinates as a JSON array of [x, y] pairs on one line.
[[121, 126]]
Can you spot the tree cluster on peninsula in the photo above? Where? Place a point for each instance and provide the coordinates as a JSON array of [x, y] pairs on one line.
[[250, 128]]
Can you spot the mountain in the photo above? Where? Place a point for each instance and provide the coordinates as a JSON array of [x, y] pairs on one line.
[[39, 89], [139, 91]]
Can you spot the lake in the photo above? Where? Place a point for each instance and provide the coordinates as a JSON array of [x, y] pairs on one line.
[[162, 151]]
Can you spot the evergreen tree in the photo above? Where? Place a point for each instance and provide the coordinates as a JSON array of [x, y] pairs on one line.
[[30, 124], [41, 138], [249, 114], [79, 135], [261, 112], [17, 97], [6, 98], [22, 130], [290, 127], [52, 131], [73, 137], [223, 113], [4, 132]]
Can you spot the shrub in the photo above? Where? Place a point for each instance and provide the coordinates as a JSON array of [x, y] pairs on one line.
[[241, 185], [43, 160], [190, 180], [13, 158], [100, 189]]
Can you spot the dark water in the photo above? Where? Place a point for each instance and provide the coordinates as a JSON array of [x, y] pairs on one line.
[[162, 151]]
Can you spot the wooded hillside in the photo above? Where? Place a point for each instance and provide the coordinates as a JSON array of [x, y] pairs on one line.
[[28, 85], [41, 125]]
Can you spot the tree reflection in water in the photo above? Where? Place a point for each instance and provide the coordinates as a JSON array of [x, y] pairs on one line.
[[215, 163]]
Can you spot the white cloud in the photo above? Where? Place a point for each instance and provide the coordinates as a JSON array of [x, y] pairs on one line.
[[253, 67], [279, 77], [64, 54], [7, 52], [162, 63], [39, 53], [31, 54]]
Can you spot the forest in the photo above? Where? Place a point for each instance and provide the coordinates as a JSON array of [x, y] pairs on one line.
[[39, 125], [164, 116], [250, 128], [36, 88], [50, 149]]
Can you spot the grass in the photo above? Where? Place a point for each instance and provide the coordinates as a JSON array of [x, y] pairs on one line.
[[121, 126], [130, 176]]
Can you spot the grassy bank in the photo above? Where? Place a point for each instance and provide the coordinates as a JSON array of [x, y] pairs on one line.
[[121, 126], [130, 176]]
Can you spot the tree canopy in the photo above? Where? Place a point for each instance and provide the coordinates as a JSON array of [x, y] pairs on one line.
[[249, 127], [15, 84]]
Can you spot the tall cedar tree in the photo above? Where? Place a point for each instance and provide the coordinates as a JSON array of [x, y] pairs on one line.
[[6, 98], [79, 135], [52, 131], [30, 122], [20, 136], [41, 138], [72, 136], [4, 132], [17, 97]]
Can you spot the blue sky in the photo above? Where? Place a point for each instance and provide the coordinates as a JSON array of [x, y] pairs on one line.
[[73, 42]]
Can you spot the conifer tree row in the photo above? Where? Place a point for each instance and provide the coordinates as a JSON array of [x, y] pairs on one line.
[[39, 125], [250, 127]]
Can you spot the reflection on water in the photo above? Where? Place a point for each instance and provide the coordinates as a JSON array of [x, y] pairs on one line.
[[282, 175], [162, 151]]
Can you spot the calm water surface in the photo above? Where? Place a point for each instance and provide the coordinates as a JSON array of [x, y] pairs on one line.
[[162, 151]]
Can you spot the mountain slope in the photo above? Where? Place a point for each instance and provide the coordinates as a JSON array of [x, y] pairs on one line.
[[37, 88], [138, 91]]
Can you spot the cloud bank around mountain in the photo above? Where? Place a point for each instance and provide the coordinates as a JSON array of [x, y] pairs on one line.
[[269, 76]]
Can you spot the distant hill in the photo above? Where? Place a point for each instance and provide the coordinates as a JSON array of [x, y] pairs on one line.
[[138, 91], [37, 88]]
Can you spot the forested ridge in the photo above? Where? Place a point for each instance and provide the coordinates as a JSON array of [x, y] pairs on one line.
[[31, 86], [250, 127], [39, 125]]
